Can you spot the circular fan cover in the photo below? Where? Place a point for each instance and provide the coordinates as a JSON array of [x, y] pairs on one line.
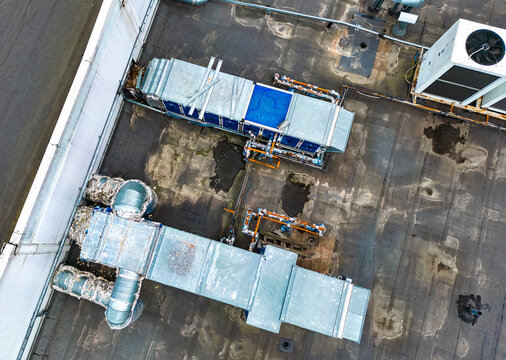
[[485, 47]]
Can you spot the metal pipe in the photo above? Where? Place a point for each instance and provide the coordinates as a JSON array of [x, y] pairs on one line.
[[210, 92], [203, 81], [124, 307], [200, 92], [327, 20], [362, 90], [82, 285]]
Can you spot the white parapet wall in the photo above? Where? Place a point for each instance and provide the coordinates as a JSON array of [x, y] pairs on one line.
[[75, 150]]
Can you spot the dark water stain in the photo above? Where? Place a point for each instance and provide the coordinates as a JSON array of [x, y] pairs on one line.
[[427, 191], [444, 138], [295, 193], [442, 267], [229, 162]]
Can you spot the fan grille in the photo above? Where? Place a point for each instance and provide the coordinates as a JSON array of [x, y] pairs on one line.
[[485, 47]]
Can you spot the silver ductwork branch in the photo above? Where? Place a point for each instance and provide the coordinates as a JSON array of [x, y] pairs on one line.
[[124, 305], [82, 285]]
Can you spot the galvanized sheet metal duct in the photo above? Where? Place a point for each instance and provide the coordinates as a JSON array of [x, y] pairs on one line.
[[124, 305]]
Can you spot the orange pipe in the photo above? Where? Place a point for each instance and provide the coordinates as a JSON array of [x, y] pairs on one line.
[[264, 164], [256, 229], [295, 227]]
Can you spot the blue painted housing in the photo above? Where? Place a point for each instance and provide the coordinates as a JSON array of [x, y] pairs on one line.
[[269, 286], [302, 123]]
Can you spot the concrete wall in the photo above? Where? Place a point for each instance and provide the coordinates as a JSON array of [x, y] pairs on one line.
[[74, 152]]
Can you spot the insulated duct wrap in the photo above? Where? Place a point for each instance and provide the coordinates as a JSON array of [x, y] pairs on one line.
[[102, 189], [124, 306], [80, 224], [82, 285]]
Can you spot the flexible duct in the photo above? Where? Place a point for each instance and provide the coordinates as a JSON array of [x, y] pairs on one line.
[[194, 2], [82, 285], [124, 306], [102, 189], [80, 224]]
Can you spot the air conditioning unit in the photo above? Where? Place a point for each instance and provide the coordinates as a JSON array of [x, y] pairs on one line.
[[466, 63]]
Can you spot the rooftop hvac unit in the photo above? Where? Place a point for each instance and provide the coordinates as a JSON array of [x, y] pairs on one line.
[[466, 63]]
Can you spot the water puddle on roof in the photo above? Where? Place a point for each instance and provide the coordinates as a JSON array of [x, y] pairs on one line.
[[296, 193], [229, 162], [446, 140]]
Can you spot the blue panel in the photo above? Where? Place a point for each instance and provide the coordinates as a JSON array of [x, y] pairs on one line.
[[212, 119], [309, 146], [247, 128], [268, 106], [170, 106], [195, 113], [230, 124], [267, 134], [289, 141]]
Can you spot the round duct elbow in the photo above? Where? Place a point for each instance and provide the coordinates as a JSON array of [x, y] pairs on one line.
[[124, 306], [80, 224], [134, 199]]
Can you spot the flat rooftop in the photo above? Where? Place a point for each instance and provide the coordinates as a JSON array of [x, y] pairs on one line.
[[42, 45], [415, 203]]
